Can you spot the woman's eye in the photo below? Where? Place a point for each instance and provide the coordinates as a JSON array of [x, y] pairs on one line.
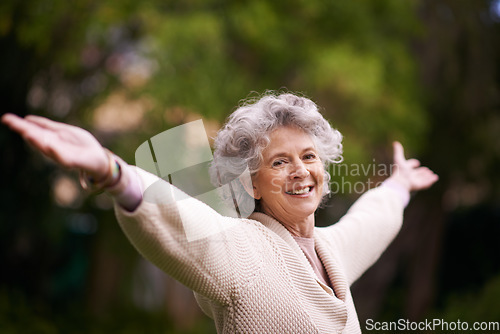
[[310, 156], [278, 163]]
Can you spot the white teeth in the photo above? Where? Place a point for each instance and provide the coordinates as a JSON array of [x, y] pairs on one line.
[[299, 192]]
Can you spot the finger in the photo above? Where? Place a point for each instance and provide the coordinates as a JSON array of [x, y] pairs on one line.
[[8, 117], [425, 178], [35, 135], [46, 123], [424, 171], [399, 155], [18, 124], [413, 163], [430, 175]]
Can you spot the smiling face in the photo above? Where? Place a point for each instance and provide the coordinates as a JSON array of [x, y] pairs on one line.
[[289, 182]]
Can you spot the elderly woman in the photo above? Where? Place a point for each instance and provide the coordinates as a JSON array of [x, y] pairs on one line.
[[273, 272]]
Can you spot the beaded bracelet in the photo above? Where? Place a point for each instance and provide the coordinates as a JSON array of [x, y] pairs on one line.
[[113, 176]]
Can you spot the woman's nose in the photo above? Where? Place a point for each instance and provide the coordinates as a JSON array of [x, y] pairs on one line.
[[298, 170]]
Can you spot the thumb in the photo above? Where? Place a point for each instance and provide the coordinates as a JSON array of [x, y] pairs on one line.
[[399, 154]]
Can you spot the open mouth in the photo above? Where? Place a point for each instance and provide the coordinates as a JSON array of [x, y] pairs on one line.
[[299, 191]]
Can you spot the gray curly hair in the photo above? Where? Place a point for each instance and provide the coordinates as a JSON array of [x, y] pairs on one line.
[[239, 144]]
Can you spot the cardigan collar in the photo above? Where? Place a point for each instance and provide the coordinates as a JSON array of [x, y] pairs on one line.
[[331, 265], [336, 301], [281, 231]]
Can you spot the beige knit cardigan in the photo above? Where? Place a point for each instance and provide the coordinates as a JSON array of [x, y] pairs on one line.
[[249, 275]]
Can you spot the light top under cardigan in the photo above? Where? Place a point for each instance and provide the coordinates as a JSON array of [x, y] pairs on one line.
[[249, 275]]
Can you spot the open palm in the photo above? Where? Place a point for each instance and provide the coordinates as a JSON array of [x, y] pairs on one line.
[[69, 146], [409, 173]]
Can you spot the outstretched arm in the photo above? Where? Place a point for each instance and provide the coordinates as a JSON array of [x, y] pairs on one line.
[[185, 238], [374, 220]]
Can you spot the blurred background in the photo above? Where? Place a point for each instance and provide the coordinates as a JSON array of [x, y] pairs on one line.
[[423, 72]]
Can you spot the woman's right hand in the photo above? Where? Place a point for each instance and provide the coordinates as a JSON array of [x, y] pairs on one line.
[[68, 145]]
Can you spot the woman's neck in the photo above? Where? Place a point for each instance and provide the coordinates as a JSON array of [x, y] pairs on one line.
[[297, 226]]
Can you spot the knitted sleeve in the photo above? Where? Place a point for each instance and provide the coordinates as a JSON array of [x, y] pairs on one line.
[[191, 242], [367, 229]]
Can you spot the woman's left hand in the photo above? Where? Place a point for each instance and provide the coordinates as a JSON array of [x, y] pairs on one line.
[[409, 173]]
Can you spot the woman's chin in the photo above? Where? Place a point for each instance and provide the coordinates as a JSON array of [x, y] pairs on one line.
[[304, 209], [304, 203]]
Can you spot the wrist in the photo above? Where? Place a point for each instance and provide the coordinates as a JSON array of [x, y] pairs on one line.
[[97, 182], [403, 192], [127, 193], [400, 180], [101, 169]]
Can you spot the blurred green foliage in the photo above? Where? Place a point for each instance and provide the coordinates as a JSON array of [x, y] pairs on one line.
[[422, 72], [203, 57]]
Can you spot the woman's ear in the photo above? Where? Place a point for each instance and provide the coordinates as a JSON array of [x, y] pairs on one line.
[[246, 182]]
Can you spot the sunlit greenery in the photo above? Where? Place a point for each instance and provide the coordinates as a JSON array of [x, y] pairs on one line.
[[422, 72]]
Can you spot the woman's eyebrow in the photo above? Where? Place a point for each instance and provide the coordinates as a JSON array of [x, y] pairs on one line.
[[310, 148], [284, 153], [279, 154]]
